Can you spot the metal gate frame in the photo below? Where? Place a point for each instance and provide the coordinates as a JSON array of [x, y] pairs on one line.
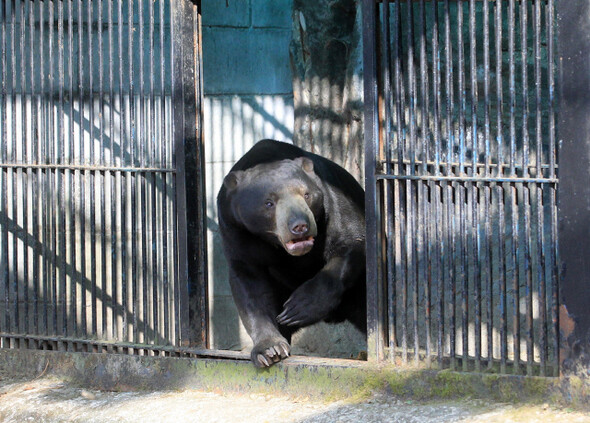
[[425, 181], [54, 295]]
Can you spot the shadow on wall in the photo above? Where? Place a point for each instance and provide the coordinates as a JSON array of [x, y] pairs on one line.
[[233, 124]]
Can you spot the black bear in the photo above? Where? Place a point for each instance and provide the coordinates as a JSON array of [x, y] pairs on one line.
[[293, 231]]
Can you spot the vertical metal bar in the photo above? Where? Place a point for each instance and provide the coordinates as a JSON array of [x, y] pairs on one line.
[[82, 282], [13, 296], [53, 178], [141, 138], [475, 245], [449, 186], [113, 179], [35, 175], [73, 176], [4, 147], [374, 321], [61, 175], [552, 191], [440, 246], [424, 258], [502, 239], [123, 307], [539, 193], [154, 220], [43, 175], [164, 161], [133, 176], [525, 188], [102, 176], [513, 192], [462, 188], [412, 187], [487, 199], [399, 227], [412, 205], [25, 173], [389, 187], [91, 176], [179, 22]]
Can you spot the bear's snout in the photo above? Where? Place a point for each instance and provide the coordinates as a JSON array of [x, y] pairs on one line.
[[299, 227], [295, 225]]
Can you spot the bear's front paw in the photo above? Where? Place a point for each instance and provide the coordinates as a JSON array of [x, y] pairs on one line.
[[270, 351], [307, 305]]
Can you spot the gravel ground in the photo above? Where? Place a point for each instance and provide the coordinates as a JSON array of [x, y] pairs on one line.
[[52, 400]]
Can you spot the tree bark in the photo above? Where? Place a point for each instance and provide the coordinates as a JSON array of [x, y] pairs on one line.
[[326, 57]]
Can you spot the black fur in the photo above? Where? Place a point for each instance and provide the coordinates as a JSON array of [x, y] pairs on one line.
[[275, 291]]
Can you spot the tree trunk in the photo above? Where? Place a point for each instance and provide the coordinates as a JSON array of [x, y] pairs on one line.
[[326, 57]]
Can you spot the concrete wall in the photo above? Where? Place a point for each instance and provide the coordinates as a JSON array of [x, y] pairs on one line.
[[248, 96]]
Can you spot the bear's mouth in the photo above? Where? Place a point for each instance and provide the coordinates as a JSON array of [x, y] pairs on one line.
[[299, 246]]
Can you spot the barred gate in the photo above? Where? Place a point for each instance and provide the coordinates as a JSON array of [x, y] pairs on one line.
[[461, 183], [98, 108]]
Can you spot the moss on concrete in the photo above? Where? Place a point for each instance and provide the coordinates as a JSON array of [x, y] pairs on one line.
[[319, 379]]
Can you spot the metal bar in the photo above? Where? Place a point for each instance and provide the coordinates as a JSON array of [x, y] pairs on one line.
[[154, 220], [133, 193], [525, 190], [164, 162], [375, 337], [143, 189], [24, 287], [4, 151], [439, 249], [465, 179], [397, 335], [123, 181], [449, 188], [53, 178], [81, 290], [203, 292], [73, 176], [102, 176], [411, 245], [515, 253], [540, 224], [13, 293], [92, 182], [42, 175], [423, 187], [114, 275], [475, 255], [59, 175], [89, 168], [390, 190], [552, 194], [35, 176], [487, 194]]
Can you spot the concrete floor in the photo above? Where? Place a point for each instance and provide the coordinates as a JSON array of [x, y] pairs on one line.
[[50, 399]]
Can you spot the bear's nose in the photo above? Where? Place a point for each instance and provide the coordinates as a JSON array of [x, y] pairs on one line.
[[299, 228]]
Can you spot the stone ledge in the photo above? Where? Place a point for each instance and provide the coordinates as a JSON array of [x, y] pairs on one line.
[[298, 376]]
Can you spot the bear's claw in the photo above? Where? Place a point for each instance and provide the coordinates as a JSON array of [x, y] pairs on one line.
[[263, 356]]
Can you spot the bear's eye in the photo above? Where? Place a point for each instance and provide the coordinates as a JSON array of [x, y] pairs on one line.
[[306, 196], [269, 204]]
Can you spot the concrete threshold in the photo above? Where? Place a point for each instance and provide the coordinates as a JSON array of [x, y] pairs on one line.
[[329, 379]]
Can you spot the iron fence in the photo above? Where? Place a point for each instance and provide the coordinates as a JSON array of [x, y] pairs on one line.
[[98, 109], [461, 184]]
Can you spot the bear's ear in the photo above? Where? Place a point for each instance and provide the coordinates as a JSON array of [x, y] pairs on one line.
[[305, 163], [232, 179]]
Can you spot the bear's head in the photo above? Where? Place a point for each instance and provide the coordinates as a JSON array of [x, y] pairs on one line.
[[281, 202]]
